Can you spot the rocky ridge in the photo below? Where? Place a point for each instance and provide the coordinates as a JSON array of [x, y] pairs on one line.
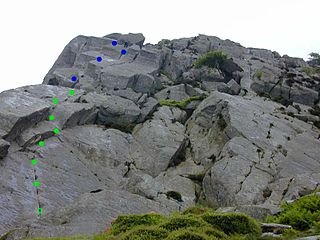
[[246, 135]]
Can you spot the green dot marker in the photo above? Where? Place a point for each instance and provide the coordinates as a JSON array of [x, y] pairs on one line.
[[55, 101], [42, 144], [39, 211], [51, 118], [34, 161], [71, 92], [56, 131], [36, 184]]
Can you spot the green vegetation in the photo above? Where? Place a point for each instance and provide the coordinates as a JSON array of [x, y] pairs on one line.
[[315, 56], [211, 59], [197, 210], [259, 74], [197, 222], [302, 214], [202, 223], [125, 223], [147, 233], [311, 70], [233, 223], [182, 104]]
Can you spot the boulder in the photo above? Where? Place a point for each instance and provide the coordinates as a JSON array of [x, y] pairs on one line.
[[255, 211], [157, 145], [274, 227], [19, 111], [113, 110], [234, 87]]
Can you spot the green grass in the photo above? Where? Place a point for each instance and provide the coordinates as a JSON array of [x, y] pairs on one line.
[[311, 70], [303, 214], [181, 104], [212, 59]]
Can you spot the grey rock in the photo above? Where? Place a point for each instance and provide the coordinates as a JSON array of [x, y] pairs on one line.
[[304, 95], [40, 131], [309, 238], [294, 62], [144, 83], [170, 114], [235, 88], [178, 92], [274, 227], [147, 108], [237, 151], [251, 155], [73, 114], [113, 110], [272, 235], [94, 211], [157, 145], [130, 39], [255, 211], [19, 111], [127, 93], [4, 146]]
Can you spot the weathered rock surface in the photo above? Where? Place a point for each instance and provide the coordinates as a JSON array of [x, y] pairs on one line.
[[120, 151], [4, 146], [256, 162]]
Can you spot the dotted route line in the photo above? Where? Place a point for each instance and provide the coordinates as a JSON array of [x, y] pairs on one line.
[[56, 130]]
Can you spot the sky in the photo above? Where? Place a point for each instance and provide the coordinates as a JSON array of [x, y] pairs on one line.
[[34, 32]]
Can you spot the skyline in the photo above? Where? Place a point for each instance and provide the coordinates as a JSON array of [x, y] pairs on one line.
[[35, 33]]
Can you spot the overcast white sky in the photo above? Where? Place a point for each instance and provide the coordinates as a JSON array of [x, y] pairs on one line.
[[34, 32]]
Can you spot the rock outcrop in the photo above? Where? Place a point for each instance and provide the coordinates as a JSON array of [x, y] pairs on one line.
[[146, 131]]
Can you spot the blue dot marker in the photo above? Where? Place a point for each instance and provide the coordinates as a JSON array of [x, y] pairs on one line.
[[114, 43], [99, 59], [123, 51], [74, 78]]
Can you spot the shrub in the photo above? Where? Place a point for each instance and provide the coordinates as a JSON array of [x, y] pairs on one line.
[[183, 221], [187, 234], [211, 59], [311, 70], [197, 210], [209, 231], [144, 233], [301, 214], [125, 223], [233, 223], [315, 56]]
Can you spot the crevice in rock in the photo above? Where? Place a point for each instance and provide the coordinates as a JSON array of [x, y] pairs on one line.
[[96, 191], [287, 188], [180, 155], [174, 195], [245, 177]]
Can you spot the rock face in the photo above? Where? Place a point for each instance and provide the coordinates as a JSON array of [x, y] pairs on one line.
[[146, 131]]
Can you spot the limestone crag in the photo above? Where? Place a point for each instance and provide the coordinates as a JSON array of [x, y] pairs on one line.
[[147, 131]]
